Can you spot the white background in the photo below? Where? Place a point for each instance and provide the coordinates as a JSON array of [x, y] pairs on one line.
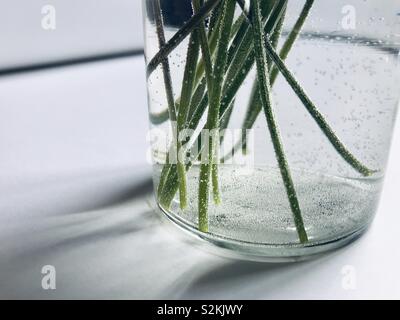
[[83, 28]]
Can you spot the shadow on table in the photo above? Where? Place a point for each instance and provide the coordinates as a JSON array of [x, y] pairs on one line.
[[255, 280], [116, 233]]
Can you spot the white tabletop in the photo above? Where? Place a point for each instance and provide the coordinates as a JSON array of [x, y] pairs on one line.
[[76, 193]]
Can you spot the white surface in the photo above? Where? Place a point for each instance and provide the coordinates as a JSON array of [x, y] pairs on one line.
[[76, 193], [83, 28]]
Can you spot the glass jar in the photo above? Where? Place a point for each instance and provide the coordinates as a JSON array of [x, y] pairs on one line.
[[271, 121]]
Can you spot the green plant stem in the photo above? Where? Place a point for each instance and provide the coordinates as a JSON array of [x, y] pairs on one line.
[[264, 88], [210, 84], [224, 120], [316, 115], [237, 25], [254, 107], [244, 67], [158, 118], [165, 64], [293, 35], [312, 109], [180, 35], [170, 95], [199, 103], [188, 81], [205, 50], [186, 95], [243, 42], [212, 42], [213, 113], [168, 169], [195, 102], [214, 17], [229, 92]]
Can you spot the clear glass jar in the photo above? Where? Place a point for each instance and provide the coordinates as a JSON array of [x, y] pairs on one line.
[[309, 154]]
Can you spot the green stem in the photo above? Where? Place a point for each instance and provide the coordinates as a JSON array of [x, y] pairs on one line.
[[293, 35], [309, 105], [186, 95], [205, 49], [165, 63], [209, 79], [158, 118], [212, 42], [243, 42], [198, 106], [255, 107], [213, 113], [180, 35], [214, 17], [244, 68], [264, 87], [316, 114], [237, 25], [228, 95], [188, 81], [194, 104], [224, 120], [169, 93]]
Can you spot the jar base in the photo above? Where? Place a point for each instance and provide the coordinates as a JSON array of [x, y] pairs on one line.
[[270, 253]]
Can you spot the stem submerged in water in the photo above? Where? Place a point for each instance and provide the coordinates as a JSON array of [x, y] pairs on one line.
[[279, 66], [265, 97], [178, 37], [184, 105], [254, 107], [229, 92], [228, 53], [316, 115], [209, 79], [170, 97], [209, 166]]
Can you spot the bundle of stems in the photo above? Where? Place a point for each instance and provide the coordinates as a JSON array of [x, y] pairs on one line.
[[221, 53]]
